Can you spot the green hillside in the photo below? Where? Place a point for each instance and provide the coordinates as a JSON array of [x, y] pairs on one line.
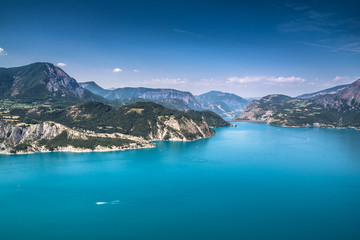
[[137, 119]]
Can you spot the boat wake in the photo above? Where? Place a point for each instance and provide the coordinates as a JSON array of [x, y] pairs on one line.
[[105, 203]]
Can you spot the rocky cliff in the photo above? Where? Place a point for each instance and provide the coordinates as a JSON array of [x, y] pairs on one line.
[[182, 129], [51, 136]]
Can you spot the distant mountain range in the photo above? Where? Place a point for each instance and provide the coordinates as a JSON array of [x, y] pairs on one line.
[[333, 107], [171, 98], [224, 104]]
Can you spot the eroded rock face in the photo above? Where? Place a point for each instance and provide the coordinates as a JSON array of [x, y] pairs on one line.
[[12, 135], [180, 130], [59, 81], [170, 129]]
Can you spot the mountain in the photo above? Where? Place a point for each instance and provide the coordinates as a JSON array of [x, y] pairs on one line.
[[94, 88], [102, 125], [143, 119], [171, 98], [224, 104], [349, 96], [321, 93], [339, 108], [337, 97], [42, 83]]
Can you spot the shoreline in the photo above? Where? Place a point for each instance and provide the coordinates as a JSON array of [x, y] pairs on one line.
[[80, 150], [311, 126], [297, 126], [71, 149]]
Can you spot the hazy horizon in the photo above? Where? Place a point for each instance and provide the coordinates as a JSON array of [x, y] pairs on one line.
[[251, 49]]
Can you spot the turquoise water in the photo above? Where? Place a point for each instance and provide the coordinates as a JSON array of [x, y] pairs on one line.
[[250, 182]]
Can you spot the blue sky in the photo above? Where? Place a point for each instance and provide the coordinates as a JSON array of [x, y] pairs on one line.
[[251, 48]]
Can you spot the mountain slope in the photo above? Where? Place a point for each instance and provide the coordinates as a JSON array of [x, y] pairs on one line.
[[348, 96], [340, 109], [42, 83], [143, 119], [224, 104], [286, 111], [321, 93], [94, 88], [171, 98]]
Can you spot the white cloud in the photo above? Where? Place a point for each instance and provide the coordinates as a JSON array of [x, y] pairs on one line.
[[246, 79], [167, 81], [116, 70], [60, 64], [135, 70], [287, 79], [2, 52], [264, 79]]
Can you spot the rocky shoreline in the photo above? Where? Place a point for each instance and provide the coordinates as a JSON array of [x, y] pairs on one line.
[[33, 138], [71, 149], [36, 138]]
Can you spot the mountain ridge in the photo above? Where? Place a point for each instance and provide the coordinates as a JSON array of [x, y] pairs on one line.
[[338, 109], [222, 103], [169, 97], [42, 82], [320, 93]]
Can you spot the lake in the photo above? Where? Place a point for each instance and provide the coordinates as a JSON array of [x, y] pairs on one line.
[[252, 181]]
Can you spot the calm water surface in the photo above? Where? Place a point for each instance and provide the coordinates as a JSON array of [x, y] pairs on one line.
[[250, 182]]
